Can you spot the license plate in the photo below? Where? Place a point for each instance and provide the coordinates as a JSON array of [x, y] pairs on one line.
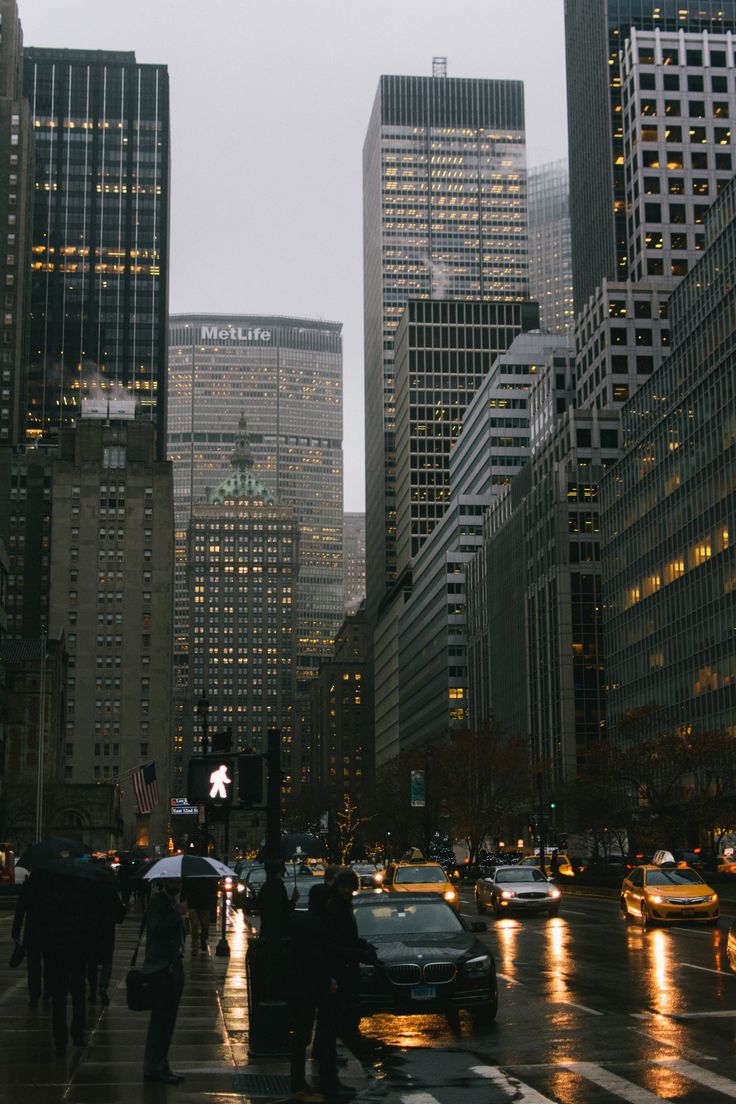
[[424, 992]]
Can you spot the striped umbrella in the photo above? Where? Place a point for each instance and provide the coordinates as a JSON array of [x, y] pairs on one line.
[[187, 866]]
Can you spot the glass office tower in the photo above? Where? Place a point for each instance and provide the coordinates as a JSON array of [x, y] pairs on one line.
[[550, 248], [596, 33], [98, 319], [285, 376], [444, 217]]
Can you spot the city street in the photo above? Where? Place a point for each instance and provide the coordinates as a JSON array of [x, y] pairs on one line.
[[591, 1010]]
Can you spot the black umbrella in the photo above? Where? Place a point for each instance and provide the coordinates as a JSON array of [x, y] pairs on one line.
[[54, 849], [81, 868]]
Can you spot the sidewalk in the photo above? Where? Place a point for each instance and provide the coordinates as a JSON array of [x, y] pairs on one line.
[[210, 1041]]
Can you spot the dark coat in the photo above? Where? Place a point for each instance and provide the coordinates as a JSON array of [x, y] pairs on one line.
[[164, 931], [63, 906], [319, 895], [309, 976], [345, 947], [107, 911], [199, 893], [26, 919]]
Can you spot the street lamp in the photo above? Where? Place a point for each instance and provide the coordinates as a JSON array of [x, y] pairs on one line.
[[203, 711]]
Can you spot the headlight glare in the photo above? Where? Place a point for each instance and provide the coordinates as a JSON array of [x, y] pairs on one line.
[[478, 965], [449, 894], [507, 893]]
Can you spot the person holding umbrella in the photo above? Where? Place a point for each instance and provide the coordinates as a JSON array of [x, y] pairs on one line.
[[164, 951]]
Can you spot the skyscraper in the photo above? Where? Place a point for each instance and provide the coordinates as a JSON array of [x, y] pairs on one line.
[[444, 209], [596, 33], [285, 376], [550, 249], [100, 234], [16, 152], [243, 559]]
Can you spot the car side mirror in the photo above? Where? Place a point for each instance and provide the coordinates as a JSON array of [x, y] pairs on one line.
[[478, 926]]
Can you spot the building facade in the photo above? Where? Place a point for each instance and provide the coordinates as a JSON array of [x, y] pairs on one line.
[[99, 283], [444, 217], [443, 350], [342, 718], [668, 511], [550, 245], [602, 116], [111, 564], [243, 570], [16, 152], [354, 560]]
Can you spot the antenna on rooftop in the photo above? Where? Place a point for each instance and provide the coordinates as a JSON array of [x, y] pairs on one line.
[[439, 66]]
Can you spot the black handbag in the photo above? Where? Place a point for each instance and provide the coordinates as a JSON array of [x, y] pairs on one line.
[[144, 991]]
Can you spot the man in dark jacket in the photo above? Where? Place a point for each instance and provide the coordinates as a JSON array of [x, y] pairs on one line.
[[319, 893], [200, 895], [310, 983], [107, 912], [164, 950], [65, 925], [337, 1013], [26, 931]]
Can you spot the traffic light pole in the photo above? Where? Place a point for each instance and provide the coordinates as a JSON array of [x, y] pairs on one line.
[[222, 950], [542, 826]]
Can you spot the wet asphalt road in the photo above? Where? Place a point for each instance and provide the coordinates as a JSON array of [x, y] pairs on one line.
[[592, 1010]]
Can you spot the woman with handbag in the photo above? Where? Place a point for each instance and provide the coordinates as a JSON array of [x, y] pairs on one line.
[[164, 950]]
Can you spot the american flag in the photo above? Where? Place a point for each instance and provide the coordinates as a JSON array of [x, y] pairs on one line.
[[146, 787]]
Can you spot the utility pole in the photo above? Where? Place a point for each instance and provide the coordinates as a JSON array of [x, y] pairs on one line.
[[41, 739], [542, 825]]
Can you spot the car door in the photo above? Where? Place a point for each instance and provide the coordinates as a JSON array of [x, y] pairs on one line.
[[635, 891]]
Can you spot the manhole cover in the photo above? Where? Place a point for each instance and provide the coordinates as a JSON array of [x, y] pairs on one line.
[[261, 1084]]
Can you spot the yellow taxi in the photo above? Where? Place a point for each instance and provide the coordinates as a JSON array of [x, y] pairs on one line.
[[420, 877], [659, 893], [564, 866]]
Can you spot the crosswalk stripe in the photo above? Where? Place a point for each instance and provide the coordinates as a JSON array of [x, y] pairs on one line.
[[726, 1014], [511, 1086], [627, 1090], [702, 1076], [510, 980], [707, 969], [582, 1007], [419, 1098]]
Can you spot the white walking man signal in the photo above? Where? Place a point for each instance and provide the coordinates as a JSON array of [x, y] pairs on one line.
[[218, 781]]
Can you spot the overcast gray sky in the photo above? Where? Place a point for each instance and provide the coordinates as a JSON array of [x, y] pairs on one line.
[[269, 105]]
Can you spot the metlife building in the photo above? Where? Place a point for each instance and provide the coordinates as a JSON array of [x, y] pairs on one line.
[[285, 376]]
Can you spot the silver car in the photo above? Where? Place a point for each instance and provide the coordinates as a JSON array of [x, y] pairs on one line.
[[508, 889]]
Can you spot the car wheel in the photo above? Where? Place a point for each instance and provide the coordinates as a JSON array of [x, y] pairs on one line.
[[479, 904], [624, 908], [496, 907], [646, 920]]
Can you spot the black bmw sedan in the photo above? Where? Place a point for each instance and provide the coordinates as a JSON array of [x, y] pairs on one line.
[[429, 958]]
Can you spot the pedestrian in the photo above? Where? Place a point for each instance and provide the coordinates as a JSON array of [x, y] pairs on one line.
[[200, 896], [320, 892], [275, 906], [337, 1013], [554, 863], [164, 950], [108, 911], [310, 983], [26, 931], [65, 925]]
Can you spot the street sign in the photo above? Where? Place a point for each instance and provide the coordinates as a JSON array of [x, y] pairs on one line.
[[418, 789], [179, 801], [184, 810]]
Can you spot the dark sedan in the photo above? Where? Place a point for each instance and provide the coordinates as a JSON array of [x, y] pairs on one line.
[[429, 958]]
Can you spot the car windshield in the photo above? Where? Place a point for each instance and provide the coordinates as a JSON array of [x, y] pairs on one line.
[[679, 876], [520, 874], [394, 921], [415, 875], [256, 877], [364, 868]]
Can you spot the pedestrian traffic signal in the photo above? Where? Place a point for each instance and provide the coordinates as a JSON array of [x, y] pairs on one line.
[[211, 780], [252, 781]]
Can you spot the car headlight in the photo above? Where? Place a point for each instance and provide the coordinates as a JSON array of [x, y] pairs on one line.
[[479, 965], [507, 893], [449, 895], [709, 900], [241, 887], [555, 893], [655, 898], [378, 877]]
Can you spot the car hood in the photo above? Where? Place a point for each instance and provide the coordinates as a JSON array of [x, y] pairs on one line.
[[451, 948], [421, 887], [671, 892]]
